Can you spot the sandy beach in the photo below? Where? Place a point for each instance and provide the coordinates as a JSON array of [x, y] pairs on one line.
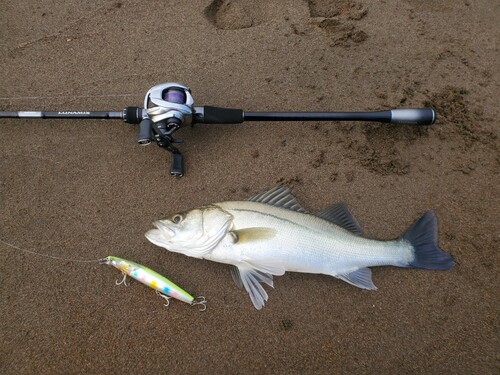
[[84, 189]]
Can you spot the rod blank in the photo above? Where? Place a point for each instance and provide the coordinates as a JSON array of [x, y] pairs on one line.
[[420, 116], [62, 114], [217, 115]]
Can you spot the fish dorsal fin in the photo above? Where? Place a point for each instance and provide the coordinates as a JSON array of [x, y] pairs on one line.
[[252, 234], [362, 278], [279, 196], [339, 214]]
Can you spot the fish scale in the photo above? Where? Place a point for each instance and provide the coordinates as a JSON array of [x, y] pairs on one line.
[[305, 243]]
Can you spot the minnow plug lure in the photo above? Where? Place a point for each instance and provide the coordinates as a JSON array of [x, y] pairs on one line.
[[163, 286]]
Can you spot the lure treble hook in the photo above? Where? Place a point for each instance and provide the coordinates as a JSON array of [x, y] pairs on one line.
[[123, 281], [202, 301]]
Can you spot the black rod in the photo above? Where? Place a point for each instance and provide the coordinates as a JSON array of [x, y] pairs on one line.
[[421, 116], [63, 114], [381, 116], [216, 115]]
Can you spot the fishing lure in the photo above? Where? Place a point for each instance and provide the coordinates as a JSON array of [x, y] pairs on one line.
[[163, 286]]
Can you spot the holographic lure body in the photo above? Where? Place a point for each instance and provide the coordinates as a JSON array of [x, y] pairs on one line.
[[153, 279]]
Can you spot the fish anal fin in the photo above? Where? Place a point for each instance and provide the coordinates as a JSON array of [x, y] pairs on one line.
[[340, 215], [246, 235], [362, 278]]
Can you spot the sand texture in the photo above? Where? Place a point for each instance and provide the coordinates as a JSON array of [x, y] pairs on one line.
[[84, 189]]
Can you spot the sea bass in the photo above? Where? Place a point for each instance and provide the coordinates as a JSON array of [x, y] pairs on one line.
[[271, 233]]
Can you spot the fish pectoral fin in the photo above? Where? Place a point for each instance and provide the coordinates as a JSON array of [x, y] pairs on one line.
[[251, 279], [252, 234], [362, 278]]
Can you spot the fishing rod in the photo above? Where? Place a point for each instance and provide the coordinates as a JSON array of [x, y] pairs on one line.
[[169, 106]]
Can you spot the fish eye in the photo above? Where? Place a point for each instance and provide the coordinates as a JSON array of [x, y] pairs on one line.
[[177, 218]]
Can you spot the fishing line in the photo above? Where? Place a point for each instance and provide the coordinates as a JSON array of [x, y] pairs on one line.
[[163, 286], [49, 256], [65, 97]]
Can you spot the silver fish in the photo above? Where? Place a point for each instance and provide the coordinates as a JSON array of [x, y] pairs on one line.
[[271, 233]]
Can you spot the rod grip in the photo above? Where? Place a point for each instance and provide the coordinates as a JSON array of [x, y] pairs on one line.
[[218, 115], [418, 116]]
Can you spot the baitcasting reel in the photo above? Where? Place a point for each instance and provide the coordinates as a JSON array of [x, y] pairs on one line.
[[169, 106]]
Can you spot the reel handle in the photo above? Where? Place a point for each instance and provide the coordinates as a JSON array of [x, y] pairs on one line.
[[145, 136]]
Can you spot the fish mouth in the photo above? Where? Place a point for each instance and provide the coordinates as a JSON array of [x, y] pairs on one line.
[[160, 236], [164, 229]]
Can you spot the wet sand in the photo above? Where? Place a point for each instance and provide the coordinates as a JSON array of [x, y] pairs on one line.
[[86, 189]]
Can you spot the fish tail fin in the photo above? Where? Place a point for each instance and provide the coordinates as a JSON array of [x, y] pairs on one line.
[[423, 237]]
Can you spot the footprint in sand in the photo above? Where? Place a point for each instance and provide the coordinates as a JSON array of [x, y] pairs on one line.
[[237, 14], [339, 20]]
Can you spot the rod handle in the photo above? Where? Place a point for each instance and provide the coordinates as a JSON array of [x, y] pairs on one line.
[[218, 115], [417, 116]]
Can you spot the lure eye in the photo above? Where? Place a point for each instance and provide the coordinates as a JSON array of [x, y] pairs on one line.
[[177, 218]]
